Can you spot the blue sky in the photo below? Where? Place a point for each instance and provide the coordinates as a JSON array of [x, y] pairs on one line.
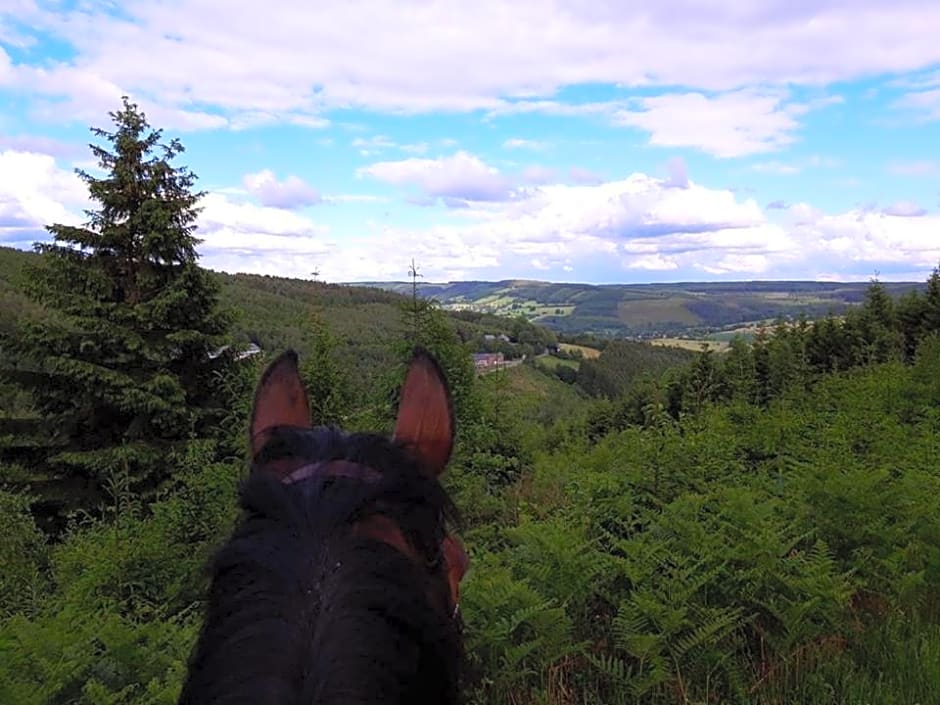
[[564, 141]]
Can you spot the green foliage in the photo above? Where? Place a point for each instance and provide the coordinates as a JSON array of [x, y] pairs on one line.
[[123, 372], [326, 379], [23, 557], [623, 363], [125, 595]]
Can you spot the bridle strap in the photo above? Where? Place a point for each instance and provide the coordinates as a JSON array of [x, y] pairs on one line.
[[333, 468], [347, 468]]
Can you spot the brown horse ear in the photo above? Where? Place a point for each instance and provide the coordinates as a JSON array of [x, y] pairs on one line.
[[280, 400], [425, 421]]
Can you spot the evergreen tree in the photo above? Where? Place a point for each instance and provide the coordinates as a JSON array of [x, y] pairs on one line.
[[911, 314], [122, 370], [932, 303], [739, 371], [762, 368], [878, 325], [326, 379]]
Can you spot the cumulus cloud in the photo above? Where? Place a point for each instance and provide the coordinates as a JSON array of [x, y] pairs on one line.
[[292, 192], [678, 173], [732, 124], [257, 66], [636, 226], [537, 175], [34, 193], [40, 144], [462, 176], [580, 175], [905, 209], [245, 237]]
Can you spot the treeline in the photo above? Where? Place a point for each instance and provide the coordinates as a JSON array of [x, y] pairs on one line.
[[780, 359], [514, 337], [623, 364]]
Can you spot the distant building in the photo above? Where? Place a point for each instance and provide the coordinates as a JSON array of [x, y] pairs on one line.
[[487, 361], [252, 349]]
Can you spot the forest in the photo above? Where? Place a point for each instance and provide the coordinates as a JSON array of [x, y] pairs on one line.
[[756, 526]]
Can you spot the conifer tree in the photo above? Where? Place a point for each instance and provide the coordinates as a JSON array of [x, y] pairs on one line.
[[326, 379], [121, 370], [932, 303], [911, 320], [427, 326], [878, 324]]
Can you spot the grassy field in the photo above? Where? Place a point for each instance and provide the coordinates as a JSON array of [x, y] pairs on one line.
[[688, 344], [641, 312], [552, 363], [586, 352]]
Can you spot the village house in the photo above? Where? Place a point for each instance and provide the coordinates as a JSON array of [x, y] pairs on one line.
[[487, 361]]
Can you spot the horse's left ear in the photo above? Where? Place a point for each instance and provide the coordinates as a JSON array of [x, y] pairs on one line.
[[425, 421], [280, 400]]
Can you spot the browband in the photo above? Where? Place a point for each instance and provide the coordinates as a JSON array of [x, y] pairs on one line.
[[333, 468]]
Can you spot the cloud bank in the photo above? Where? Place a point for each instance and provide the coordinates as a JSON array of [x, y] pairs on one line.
[[639, 225]]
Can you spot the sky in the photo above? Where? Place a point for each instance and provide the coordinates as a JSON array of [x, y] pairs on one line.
[[601, 142]]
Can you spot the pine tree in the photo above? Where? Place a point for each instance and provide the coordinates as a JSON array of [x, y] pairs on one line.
[[425, 325], [911, 315], [878, 322], [121, 370], [932, 303], [326, 379]]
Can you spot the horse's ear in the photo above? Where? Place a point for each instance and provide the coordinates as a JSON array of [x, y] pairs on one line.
[[425, 421], [280, 400]]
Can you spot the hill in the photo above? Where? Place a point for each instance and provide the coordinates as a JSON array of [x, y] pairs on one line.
[[276, 313], [646, 310]]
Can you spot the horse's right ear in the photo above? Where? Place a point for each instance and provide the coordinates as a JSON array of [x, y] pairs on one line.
[[280, 400], [425, 423]]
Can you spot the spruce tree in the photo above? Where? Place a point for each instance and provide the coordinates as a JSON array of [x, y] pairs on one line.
[[121, 370], [932, 303], [325, 377]]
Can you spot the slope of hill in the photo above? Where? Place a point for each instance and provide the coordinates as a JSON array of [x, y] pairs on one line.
[[647, 309], [277, 313]]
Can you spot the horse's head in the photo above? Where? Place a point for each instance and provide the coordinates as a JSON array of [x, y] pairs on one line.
[[341, 584]]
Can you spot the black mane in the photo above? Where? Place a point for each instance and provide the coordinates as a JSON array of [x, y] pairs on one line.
[[301, 611]]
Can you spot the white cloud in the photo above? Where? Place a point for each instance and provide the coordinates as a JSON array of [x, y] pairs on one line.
[[655, 263], [221, 212], [40, 144], [35, 192], [640, 223], [537, 175], [905, 209], [376, 144], [678, 173], [292, 192], [293, 64], [520, 143], [776, 168], [732, 124], [461, 176], [924, 104], [923, 167], [580, 175]]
